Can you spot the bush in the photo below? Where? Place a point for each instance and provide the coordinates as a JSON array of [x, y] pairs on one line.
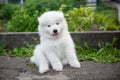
[[80, 19], [9, 9], [106, 20], [41, 5], [85, 18], [25, 18], [23, 21]]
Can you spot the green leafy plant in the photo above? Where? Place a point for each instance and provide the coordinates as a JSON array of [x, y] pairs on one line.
[[80, 19], [52, 4], [8, 10], [20, 52], [85, 18], [106, 20], [22, 20], [106, 53]]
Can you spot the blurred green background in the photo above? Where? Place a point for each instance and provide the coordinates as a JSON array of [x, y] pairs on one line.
[[81, 15]]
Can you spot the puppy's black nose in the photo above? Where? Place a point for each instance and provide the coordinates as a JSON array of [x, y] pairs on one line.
[[55, 31]]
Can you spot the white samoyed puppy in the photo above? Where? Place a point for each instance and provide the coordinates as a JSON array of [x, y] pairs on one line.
[[56, 46]]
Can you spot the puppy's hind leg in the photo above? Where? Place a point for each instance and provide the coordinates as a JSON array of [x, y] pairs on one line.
[[40, 60], [71, 57]]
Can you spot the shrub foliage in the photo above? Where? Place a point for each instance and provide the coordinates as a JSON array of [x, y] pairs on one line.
[[22, 20], [79, 18]]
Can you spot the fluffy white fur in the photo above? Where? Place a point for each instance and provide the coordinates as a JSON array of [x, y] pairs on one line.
[[56, 47]]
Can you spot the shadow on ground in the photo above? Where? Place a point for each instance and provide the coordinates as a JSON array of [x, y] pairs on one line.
[[20, 69]]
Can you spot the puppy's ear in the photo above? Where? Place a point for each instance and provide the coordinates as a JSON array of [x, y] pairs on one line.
[[61, 14]]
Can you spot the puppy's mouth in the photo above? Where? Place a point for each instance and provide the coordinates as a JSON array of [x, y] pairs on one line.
[[56, 35]]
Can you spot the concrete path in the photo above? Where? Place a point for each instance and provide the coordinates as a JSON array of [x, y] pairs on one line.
[[21, 69]]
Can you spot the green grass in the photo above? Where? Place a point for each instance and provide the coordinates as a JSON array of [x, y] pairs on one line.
[[19, 52], [106, 52]]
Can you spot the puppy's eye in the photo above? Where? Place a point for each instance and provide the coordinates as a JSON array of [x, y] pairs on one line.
[[48, 25], [57, 23]]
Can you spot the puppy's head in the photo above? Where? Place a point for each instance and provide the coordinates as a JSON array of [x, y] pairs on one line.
[[52, 24]]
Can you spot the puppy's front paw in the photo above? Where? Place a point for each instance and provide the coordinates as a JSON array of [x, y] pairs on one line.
[[57, 66], [43, 69], [75, 64]]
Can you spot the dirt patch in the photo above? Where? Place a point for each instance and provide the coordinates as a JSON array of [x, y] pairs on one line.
[[21, 69]]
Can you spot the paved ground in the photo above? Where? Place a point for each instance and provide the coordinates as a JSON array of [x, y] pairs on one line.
[[21, 69]]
